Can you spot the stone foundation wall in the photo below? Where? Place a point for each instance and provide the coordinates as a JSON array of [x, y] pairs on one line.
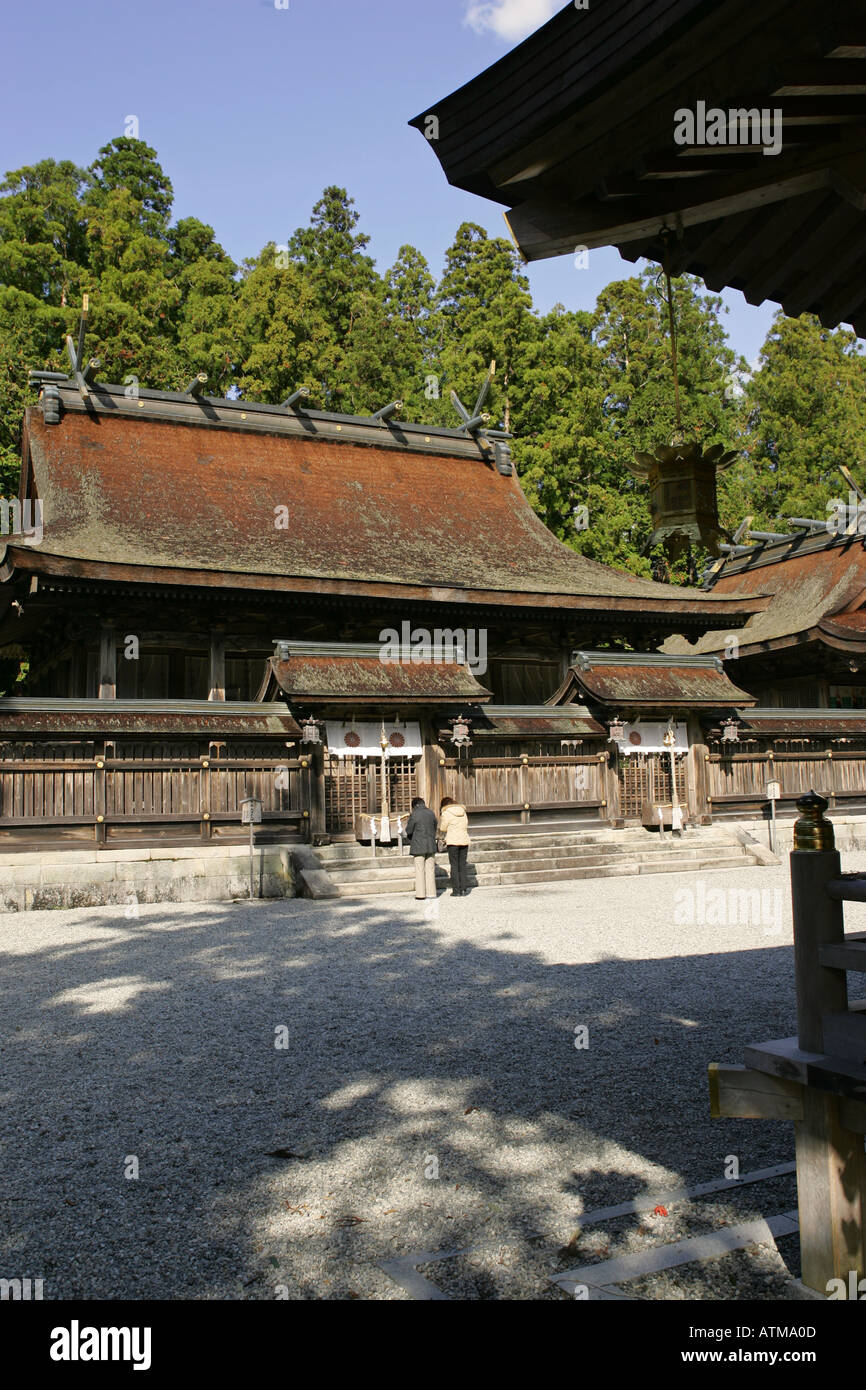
[[850, 832], [34, 881]]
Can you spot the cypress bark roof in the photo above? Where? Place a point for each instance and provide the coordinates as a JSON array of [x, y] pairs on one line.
[[31, 715], [648, 679], [164, 490], [816, 587], [322, 673]]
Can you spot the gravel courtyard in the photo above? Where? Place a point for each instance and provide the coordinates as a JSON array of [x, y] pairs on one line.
[[309, 1091]]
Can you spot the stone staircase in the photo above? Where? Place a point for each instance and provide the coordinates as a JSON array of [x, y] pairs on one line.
[[545, 856]]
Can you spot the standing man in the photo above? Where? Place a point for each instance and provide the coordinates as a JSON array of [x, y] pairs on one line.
[[421, 833]]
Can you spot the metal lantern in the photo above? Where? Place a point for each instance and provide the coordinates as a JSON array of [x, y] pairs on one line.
[[683, 504], [460, 732], [730, 731], [310, 730], [616, 730]]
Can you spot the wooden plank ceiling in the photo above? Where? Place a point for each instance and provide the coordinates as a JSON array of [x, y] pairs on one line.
[[575, 131]]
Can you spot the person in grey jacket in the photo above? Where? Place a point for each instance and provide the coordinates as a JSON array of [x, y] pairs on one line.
[[421, 834]]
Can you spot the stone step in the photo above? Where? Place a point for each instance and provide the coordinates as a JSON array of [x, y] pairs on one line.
[[509, 843], [685, 855], [518, 844], [592, 853], [358, 886]]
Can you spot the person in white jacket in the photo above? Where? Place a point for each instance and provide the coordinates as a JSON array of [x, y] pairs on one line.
[[454, 829]]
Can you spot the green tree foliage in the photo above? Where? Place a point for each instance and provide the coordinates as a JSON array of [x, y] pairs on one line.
[[128, 165], [484, 312], [580, 391], [806, 407], [281, 338]]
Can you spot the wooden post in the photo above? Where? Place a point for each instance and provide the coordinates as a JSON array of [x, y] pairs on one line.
[[831, 1193], [107, 663], [99, 796], [818, 921], [523, 783], [610, 786], [217, 683], [204, 797], [76, 688], [831, 1163], [317, 792], [697, 771]]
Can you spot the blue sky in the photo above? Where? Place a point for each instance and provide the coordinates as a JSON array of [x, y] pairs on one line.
[[253, 110]]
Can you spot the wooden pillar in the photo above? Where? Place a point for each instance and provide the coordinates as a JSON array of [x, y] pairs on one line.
[[831, 1191], [316, 786], [99, 794], [76, 689], [423, 766], [818, 921], [217, 682], [610, 786], [176, 675], [697, 771], [831, 1164], [107, 663]]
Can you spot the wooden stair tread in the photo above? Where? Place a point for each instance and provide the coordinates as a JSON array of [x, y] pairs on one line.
[[784, 1057], [849, 954]]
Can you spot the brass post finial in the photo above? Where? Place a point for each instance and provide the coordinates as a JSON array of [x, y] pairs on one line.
[[811, 830]]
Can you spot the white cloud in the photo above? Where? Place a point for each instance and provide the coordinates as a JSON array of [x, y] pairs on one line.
[[509, 19]]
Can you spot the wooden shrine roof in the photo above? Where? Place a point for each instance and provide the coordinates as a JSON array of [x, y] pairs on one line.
[[802, 723], [20, 716], [649, 679], [322, 673], [534, 721], [573, 132], [165, 490], [816, 587]]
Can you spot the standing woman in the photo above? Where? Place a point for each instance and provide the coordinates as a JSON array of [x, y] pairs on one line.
[[454, 829]]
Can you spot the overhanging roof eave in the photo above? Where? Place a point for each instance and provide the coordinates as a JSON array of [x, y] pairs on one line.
[[706, 613]]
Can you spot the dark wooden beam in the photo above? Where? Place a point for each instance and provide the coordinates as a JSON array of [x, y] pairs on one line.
[[783, 257], [217, 681], [814, 110], [839, 306], [107, 680], [591, 224], [831, 77]]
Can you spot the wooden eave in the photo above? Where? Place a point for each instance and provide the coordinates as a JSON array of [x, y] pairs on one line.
[[573, 130], [648, 680], [20, 716], [735, 612], [333, 677]]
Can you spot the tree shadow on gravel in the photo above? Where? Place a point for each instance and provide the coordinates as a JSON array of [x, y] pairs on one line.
[[429, 1092]]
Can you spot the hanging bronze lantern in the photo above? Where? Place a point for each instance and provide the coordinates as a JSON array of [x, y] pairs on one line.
[[730, 731], [682, 478], [683, 503], [460, 732], [616, 730], [310, 730]]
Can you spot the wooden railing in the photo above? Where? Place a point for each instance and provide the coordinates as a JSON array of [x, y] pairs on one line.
[[107, 793], [737, 781], [526, 785]]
